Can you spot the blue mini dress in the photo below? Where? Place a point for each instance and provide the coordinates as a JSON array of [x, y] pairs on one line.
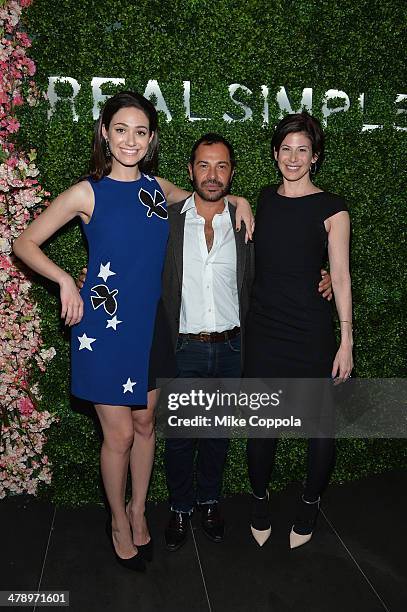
[[127, 237]]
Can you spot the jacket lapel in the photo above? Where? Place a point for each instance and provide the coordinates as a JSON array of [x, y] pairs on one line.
[[177, 224], [240, 249]]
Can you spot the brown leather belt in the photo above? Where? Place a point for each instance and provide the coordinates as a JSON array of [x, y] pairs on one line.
[[213, 336]]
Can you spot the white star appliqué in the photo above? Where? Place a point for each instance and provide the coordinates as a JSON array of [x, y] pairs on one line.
[[128, 386], [113, 323], [105, 271], [85, 342]]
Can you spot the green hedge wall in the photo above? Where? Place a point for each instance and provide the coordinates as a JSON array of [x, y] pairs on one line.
[[357, 47]]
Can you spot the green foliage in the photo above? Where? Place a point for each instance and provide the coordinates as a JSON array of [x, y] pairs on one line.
[[356, 47]]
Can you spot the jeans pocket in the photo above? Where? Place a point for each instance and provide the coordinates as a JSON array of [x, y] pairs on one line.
[[234, 344], [181, 343]]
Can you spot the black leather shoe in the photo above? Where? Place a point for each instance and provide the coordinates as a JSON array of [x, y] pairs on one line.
[[177, 530], [213, 524]]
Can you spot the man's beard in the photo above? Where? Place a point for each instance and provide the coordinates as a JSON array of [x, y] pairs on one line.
[[211, 197]]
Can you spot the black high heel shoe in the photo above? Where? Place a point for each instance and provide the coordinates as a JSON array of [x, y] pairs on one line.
[[260, 519], [145, 550], [135, 563]]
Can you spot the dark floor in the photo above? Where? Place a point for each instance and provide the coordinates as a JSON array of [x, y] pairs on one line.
[[356, 561]]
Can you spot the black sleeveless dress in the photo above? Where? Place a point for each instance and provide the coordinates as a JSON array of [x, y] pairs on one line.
[[289, 328]]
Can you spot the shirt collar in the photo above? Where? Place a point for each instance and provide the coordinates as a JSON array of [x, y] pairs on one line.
[[190, 203]]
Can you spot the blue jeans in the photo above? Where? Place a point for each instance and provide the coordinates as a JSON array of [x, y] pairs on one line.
[[197, 359]]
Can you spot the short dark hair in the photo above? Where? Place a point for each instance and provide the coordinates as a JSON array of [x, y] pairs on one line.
[[101, 164], [300, 122], [213, 138]]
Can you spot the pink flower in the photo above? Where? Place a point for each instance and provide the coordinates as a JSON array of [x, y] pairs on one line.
[[12, 162], [5, 262], [30, 66], [23, 465], [13, 125], [17, 99], [25, 406], [22, 36]]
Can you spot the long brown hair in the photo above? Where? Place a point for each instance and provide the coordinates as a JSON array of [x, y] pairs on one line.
[[100, 163]]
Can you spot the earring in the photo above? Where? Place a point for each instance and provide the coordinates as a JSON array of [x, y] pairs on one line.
[[313, 170], [108, 152]]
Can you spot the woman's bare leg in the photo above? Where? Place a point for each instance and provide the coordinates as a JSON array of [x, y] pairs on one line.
[[117, 426], [141, 463]]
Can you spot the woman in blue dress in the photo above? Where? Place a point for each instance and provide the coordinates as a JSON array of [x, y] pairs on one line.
[[123, 213]]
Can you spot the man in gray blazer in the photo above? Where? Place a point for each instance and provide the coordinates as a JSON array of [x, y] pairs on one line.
[[207, 277]]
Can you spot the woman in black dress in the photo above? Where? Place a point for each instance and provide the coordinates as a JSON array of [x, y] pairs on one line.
[[289, 330]]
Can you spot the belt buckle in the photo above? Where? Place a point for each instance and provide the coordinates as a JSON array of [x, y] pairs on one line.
[[204, 336]]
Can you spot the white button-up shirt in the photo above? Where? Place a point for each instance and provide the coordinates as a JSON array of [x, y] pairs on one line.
[[209, 299]]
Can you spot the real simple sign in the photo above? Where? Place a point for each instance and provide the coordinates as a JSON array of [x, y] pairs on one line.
[[153, 90]]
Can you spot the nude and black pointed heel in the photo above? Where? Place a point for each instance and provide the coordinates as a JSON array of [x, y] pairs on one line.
[[304, 524], [136, 563], [260, 519]]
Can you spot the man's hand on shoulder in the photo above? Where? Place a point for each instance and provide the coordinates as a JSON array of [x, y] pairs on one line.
[[80, 281], [325, 285]]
